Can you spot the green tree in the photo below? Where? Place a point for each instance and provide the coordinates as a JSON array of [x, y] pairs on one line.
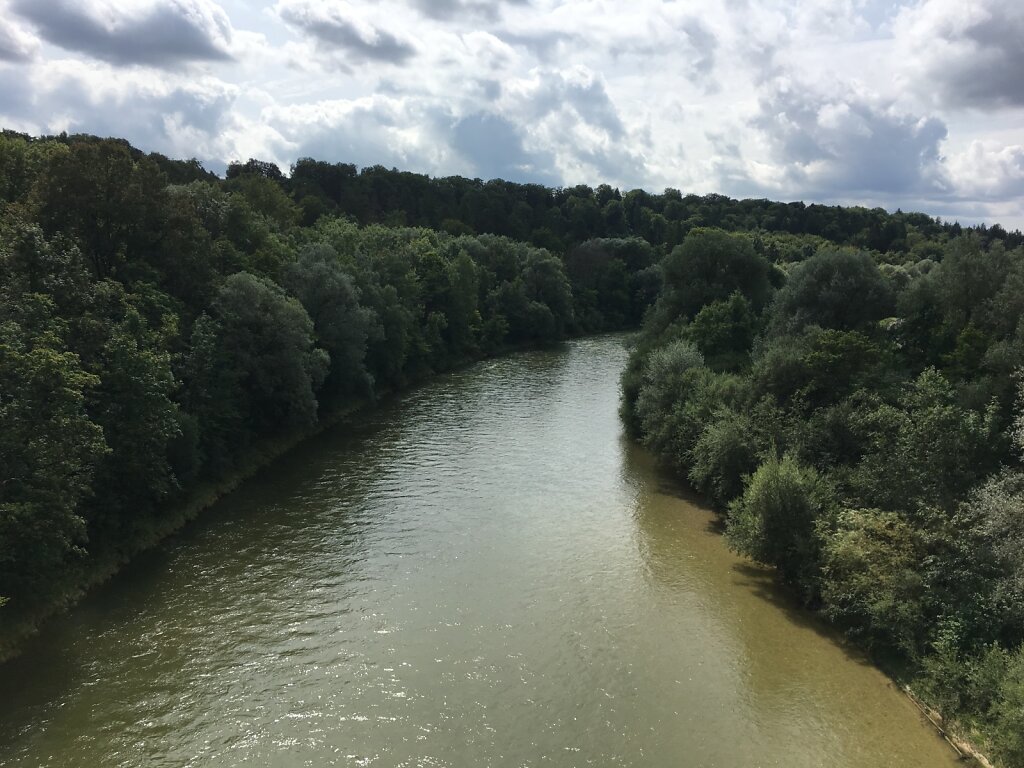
[[342, 326], [49, 448], [835, 289], [257, 358], [872, 584], [775, 521], [709, 265], [724, 332]]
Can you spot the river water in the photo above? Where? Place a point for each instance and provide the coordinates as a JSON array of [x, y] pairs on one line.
[[482, 573]]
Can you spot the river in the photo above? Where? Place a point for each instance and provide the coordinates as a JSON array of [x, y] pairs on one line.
[[484, 572]]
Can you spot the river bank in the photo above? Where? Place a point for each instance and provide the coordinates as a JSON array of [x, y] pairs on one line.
[[19, 629], [178, 513], [484, 570]]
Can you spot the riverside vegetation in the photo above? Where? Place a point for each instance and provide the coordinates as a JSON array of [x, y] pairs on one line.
[[839, 381]]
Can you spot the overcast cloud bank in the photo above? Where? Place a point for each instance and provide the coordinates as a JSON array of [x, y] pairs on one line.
[[916, 105]]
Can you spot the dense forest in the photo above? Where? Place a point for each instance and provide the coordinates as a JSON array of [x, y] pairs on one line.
[[859, 422], [840, 381]]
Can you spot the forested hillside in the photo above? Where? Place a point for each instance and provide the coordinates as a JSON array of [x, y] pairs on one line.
[[159, 322], [840, 381], [859, 424]]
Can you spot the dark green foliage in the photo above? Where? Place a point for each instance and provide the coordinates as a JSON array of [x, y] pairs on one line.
[[613, 282], [49, 449], [724, 332], [841, 290], [106, 199], [258, 345], [342, 326], [709, 266], [159, 322], [925, 449]]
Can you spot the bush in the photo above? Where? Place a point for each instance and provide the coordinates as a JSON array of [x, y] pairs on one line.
[[775, 520], [871, 580], [724, 454], [1008, 714]]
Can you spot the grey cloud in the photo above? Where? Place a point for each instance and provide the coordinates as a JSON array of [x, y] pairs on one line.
[[544, 45], [834, 146], [165, 34], [588, 98], [992, 77], [967, 55], [334, 32], [690, 36], [494, 146], [704, 45], [446, 10], [149, 115], [17, 92], [561, 102], [15, 46]]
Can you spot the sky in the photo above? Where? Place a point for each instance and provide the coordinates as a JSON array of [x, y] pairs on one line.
[[916, 105]]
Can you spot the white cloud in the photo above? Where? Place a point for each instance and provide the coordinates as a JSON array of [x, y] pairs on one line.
[[342, 34], [180, 116], [989, 171], [919, 105], [162, 33], [964, 54], [16, 43]]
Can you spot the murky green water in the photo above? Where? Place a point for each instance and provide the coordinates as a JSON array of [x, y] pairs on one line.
[[485, 573]]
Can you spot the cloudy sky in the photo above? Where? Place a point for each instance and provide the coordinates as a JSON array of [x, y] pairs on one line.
[[918, 105]]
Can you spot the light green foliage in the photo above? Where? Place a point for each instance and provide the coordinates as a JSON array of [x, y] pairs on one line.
[[1008, 713], [926, 449], [775, 520], [996, 509], [21, 162], [872, 583], [726, 452], [667, 375]]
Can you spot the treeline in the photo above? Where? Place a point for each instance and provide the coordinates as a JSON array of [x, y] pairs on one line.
[[561, 218], [157, 323], [860, 425]]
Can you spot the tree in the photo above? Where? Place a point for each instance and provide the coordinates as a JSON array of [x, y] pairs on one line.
[[132, 403], [836, 289], [107, 200], [255, 358], [709, 265], [872, 584], [49, 448], [342, 326], [724, 332], [775, 520]]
